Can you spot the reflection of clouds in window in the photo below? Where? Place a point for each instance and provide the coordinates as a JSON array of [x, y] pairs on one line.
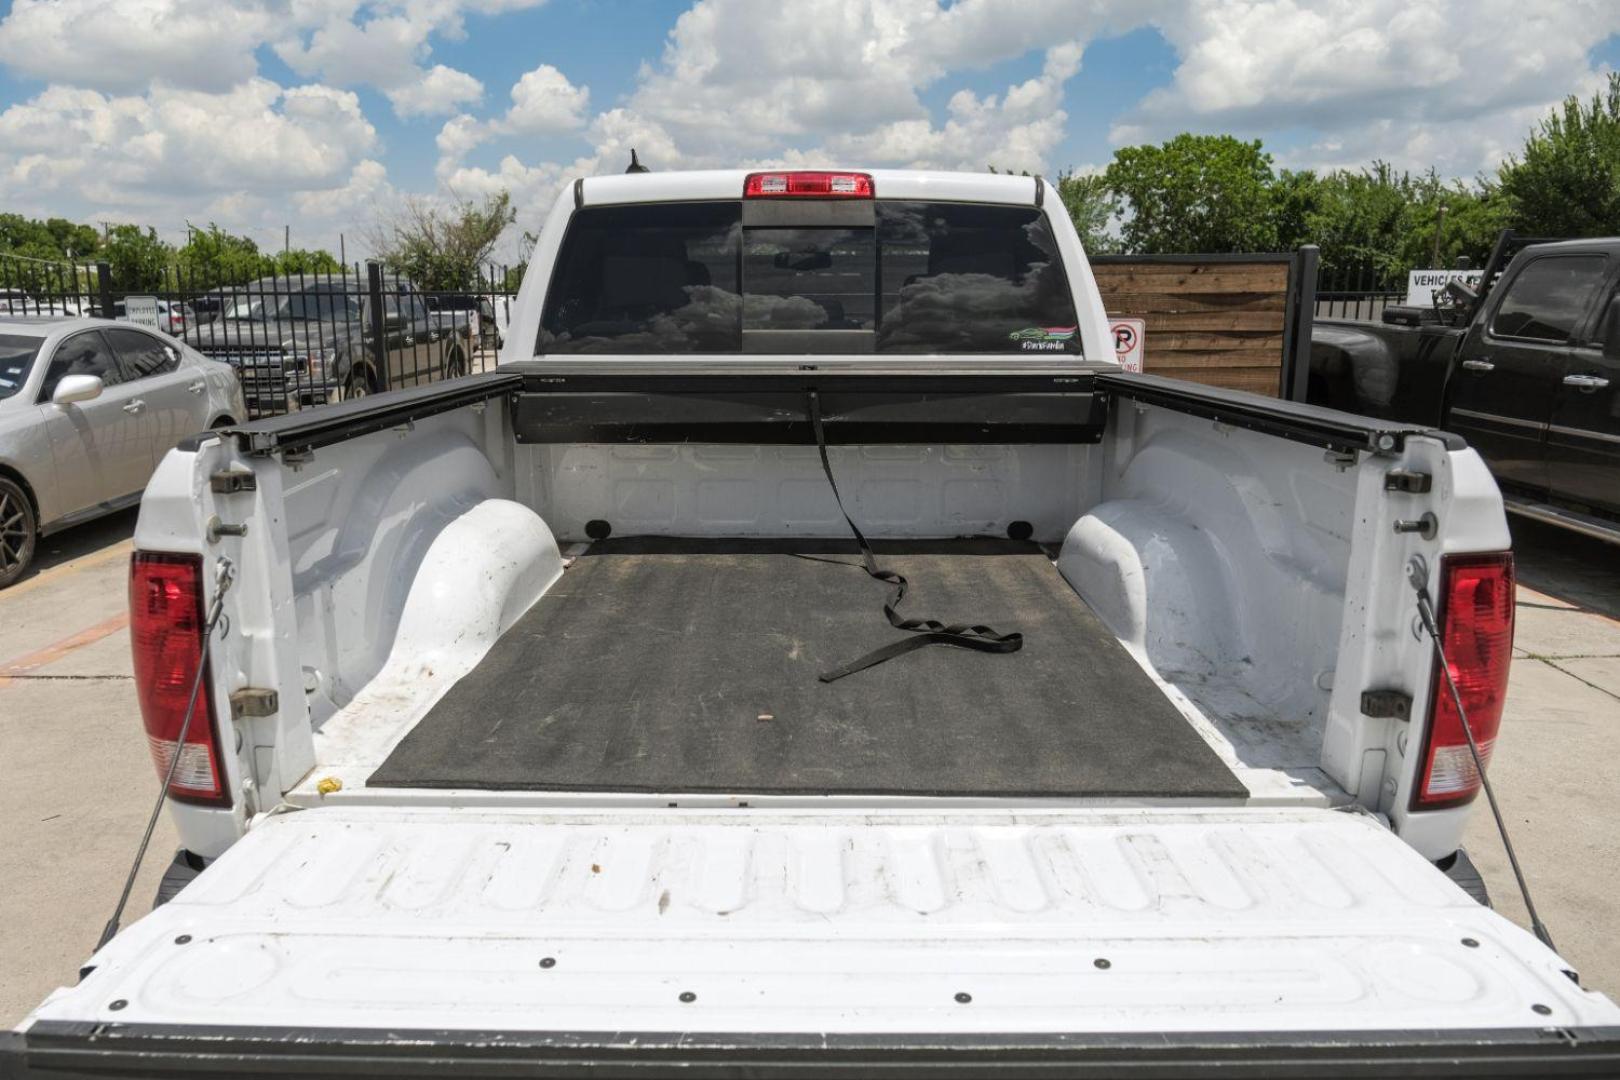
[[960, 278], [974, 312], [707, 322], [783, 313]]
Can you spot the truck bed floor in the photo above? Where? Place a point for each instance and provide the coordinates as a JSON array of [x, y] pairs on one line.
[[690, 666]]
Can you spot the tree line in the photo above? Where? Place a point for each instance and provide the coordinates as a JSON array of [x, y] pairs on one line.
[[1191, 194], [435, 246], [1216, 193]]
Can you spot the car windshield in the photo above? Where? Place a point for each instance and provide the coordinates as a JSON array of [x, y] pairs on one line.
[[17, 354]]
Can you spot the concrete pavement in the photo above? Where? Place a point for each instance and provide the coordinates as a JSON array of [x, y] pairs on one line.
[[76, 782]]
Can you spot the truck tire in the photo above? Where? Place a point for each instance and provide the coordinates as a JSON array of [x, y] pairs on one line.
[[19, 531], [359, 384], [455, 363]]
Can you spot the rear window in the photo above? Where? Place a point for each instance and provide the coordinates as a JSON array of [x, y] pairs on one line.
[[668, 279], [1548, 298]]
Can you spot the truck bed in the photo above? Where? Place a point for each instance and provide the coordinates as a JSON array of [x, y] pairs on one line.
[[678, 665]]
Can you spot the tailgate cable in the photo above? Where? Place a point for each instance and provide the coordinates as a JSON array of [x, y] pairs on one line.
[[928, 631], [224, 575], [1417, 572]]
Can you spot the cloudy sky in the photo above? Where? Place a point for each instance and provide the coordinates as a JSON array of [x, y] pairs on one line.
[[323, 113]]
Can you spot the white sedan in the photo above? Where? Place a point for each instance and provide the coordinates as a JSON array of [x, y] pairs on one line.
[[88, 408]]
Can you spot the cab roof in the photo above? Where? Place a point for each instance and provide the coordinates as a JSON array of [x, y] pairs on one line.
[[712, 184]]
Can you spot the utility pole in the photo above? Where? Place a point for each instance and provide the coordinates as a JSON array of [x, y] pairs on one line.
[[286, 237], [1439, 228], [343, 253]]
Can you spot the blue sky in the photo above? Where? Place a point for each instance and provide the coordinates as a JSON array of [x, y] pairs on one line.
[[331, 113]]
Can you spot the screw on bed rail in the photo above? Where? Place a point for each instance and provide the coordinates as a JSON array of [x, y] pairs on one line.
[[218, 528], [1426, 526]]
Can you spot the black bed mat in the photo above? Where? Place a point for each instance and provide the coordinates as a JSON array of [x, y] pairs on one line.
[[659, 665]]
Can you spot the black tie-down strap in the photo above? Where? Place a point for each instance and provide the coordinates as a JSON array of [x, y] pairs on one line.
[[927, 631]]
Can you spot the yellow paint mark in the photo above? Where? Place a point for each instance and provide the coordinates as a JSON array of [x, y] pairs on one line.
[[50, 654], [120, 550]]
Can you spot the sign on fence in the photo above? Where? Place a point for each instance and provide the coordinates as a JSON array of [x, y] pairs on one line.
[[1421, 285], [142, 310], [1129, 335]]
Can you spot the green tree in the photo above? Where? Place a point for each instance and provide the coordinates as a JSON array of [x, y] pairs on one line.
[[137, 258], [1296, 199], [303, 261], [1567, 181], [1195, 193], [1091, 205], [443, 247], [214, 257]]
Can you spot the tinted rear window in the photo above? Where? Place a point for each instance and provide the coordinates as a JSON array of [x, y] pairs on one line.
[[1548, 298], [926, 278]]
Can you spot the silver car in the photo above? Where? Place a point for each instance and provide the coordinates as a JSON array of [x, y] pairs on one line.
[[88, 407]]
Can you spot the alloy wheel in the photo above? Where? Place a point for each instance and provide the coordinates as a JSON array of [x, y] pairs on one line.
[[17, 532]]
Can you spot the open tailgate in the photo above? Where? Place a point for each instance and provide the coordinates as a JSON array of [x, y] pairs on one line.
[[387, 941]]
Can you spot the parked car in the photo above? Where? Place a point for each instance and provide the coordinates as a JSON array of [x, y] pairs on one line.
[[472, 317], [306, 340], [173, 316], [208, 306], [87, 410], [1527, 369], [1128, 763], [15, 302]]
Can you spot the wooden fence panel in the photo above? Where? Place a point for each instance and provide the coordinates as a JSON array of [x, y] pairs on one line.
[[1222, 320]]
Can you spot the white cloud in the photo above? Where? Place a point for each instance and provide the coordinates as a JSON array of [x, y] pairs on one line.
[[172, 154], [1452, 83], [436, 92], [122, 45], [544, 102]]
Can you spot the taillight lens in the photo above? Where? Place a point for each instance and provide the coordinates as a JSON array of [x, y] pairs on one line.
[[1476, 627], [166, 621], [807, 185]]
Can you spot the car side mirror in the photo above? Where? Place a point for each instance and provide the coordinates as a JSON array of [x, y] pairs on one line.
[[74, 388], [393, 320]]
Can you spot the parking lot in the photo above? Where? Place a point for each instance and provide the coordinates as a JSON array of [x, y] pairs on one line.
[[76, 782]]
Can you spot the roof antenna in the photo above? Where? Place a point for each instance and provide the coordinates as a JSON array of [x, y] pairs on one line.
[[635, 163]]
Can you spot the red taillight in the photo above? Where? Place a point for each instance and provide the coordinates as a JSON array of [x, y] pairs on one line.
[[166, 621], [1476, 627], [807, 185]]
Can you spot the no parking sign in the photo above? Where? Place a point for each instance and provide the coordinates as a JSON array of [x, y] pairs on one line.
[[1128, 342]]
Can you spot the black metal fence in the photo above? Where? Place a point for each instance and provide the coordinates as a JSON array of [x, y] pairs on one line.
[[296, 341], [1358, 292]]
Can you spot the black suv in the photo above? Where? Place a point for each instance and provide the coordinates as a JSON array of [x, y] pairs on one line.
[[306, 340]]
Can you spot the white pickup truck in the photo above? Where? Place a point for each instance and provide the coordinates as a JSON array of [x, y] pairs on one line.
[[542, 731]]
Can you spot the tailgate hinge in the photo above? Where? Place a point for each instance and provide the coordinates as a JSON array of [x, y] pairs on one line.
[[252, 701], [230, 481], [1409, 481], [1387, 704]]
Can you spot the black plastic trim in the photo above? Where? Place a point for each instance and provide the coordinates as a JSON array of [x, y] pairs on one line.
[[579, 192], [63, 1050], [309, 430], [1040, 191], [757, 408], [1327, 428]]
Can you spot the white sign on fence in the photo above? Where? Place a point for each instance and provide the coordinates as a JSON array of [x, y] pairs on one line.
[[1421, 285], [142, 310], [1129, 341]]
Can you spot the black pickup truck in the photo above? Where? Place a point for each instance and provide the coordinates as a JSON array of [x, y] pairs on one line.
[[1526, 368]]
